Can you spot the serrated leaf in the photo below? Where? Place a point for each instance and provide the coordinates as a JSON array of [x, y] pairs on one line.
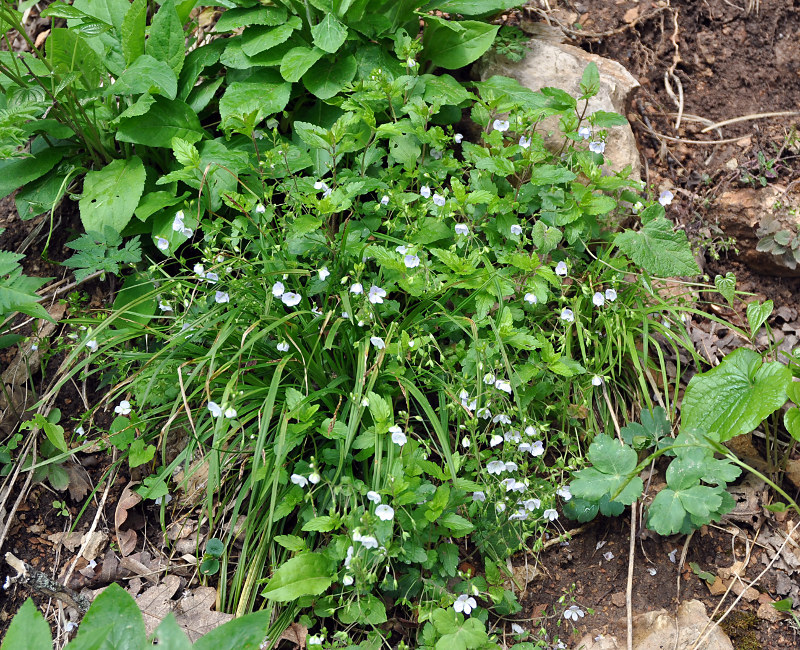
[[329, 34], [166, 40], [456, 524], [291, 542], [16, 172], [321, 524], [166, 119], [133, 30], [297, 61], [259, 15], [736, 396], [147, 75], [590, 81], [551, 175], [111, 194], [613, 464], [264, 93], [329, 76], [308, 574], [259, 39], [604, 119], [659, 249], [453, 45]]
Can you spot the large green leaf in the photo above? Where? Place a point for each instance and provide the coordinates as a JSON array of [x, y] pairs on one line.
[[132, 31], [736, 396], [330, 34], [264, 92], [613, 464], [111, 194], [166, 119], [166, 42], [297, 61], [659, 249], [16, 172], [472, 7], [113, 622], [308, 574], [69, 52], [329, 76], [245, 633], [455, 45], [258, 15], [28, 629], [147, 75], [259, 39]]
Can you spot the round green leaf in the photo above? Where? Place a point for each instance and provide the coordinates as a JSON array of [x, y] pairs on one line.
[[215, 547], [329, 76]]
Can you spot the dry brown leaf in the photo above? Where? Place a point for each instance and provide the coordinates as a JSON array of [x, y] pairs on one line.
[[95, 543], [296, 634], [79, 485], [71, 541], [156, 602], [126, 538], [193, 483]]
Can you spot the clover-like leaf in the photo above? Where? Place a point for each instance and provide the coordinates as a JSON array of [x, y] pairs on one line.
[[667, 514], [614, 463]]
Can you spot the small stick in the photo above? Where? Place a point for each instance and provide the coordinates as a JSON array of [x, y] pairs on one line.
[[747, 118], [629, 587], [44, 584]]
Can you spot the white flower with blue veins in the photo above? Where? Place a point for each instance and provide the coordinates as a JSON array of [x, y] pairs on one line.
[[495, 440], [221, 297], [530, 298], [378, 342], [398, 437], [278, 289], [461, 229], [495, 467], [425, 191], [598, 299], [564, 492], [200, 270], [573, 612], [567, 315], [502, 384], [524, 142], [532, 504], [489, 379], [283, 346], [501, 125], [597, 380], [384, 200], [384, 512], [458, 138], [123, 408], [402, 249], [550, 514], [374, 496], [665, 198], [479, 496], [561, 269], [230, 413], [260, 209], [500, 507], [92, 345], [465, 604], [411, 261], [438, 199], [597, 147], [516, 229], [162, 244], [357, 288], [585, 132], [611, 295], [212, 278], [214, 409], [376, 295], [368, 541], [501, 418], [346, 581], [323, 273], [290, 299]]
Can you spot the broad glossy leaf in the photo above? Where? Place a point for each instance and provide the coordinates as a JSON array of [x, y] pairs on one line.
[[245, 633], [28, 629], [111, 194], [114, 618], [170, 635], [736, 396], [16, 172], [166, 119], [147, 75], [451, 48], [264, 92], [757, 314], [297, 61], [791, 420], [327, 77], [258, 15], [726, 285], [471, 7], [132, 33], [166, 41], [258, 39], [329, 34], [308, 574], [659, 249], [700, 500], [68, 52]]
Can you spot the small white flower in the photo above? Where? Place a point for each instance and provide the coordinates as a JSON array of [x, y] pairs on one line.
[[585, 132], [512, 436], [496, 440], [80, 431], [402, 249], [260, 209], [290, 299], [530, 298], [636, 207], [532, 504], [479, 496], [465, 603], [461, 229], [278, 289], [516, 229], [411, 63], [320, 185], [608, 555], [34, 347], [425, 191], [597, 147], [458, 138], [377, 341], [374, 496], [384, 512], [567, 315], [550, 514], [346, 581], [376, 295], [315, 640], [502, 384], [564, 492], [501, 418], [530, 431], [496, 467], [665, 198], [199, 269], [484, 413], [92, 345], [611, 295], [283, 346], [163, 244], [314, 478], [123, 408], [652, 571], [537, 448], [230, 413], [573, 613], [517, 629], [599, 545], [177, 222], [501, 125], [436, 154], [489, 379], [598, 299], [357, 288], [398, 437], [411, 261], [214, 409], [672, 555], [212, 277], [561, 269], [510, 466], [524, 142], [520, 515], [597, 380], [323, 273], [368, 541], [164, 306], [438, 199], [384, 200]]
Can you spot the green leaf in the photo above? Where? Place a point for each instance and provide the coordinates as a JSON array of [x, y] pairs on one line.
[[472, 7], [455, 45], [330, 34], [166, 41], [260, 39], [321, 524], [659, 249], [308, 574], [291, 542], [166, 119], [16, 172], [115, 619], [170, 635], [147, 75], [297, 61], [551, 175], [133, 28], [258, 15], [757, 314], [313, 135], [28, 629], [111, 195], [667, 514], [605, 120], [264, 93], [215, 547], [329, 76], [784, 605], [791, 420], [726, 285], [456, 524], [736, 396], [135, 303], [139, 453], [366, 609], [590, 81], [245, 633], [69, 52], [613, 463]]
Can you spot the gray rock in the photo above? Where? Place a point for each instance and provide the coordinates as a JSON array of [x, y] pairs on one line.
[[550, 64]]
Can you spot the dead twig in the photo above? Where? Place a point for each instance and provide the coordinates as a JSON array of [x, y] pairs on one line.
[[748, 118], [44, 584]]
